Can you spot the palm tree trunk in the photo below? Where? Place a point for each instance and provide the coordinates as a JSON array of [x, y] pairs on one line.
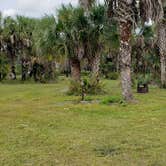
[[13, 72], [162, 51], [75, 69], [125, 59], [95, 67], [85, 4]]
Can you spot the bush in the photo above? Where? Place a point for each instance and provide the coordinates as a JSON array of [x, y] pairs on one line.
[[88, 86]]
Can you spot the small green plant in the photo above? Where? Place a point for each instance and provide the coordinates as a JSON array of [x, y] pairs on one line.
[[111, 99], [74, 88], [144, 79], [88, 86]]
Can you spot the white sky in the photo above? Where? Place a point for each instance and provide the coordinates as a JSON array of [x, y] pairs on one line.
[[32, 8]]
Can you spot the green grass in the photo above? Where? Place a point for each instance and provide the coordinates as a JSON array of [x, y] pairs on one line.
[[41, 125]]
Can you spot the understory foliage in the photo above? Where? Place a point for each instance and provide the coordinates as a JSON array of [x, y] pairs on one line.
[[85, 87], [4, 67]]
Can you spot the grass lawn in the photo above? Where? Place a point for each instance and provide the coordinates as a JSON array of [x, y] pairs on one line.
[[41, 125]]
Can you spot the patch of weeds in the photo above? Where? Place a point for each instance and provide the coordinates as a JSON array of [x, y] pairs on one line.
[[88, 98], [107, 151], [111, 100]]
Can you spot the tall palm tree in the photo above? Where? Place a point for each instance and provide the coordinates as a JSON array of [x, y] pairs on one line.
[[94, 44], [127, 14]]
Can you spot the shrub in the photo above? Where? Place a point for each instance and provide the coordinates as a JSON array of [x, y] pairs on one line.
[[88, 86]]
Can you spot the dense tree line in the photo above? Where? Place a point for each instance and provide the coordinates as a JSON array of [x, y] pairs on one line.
[[103, 39]]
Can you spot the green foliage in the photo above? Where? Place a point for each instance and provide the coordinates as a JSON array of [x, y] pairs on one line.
[[109, 70], [144, 79], [111, 100], [72, 29], [111, 36], [4, 67], [74, 88], [91, 86], [86, 86], [149, 32], [74, 33], [44, 36]]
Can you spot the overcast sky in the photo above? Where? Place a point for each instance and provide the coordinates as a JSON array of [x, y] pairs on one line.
[[32, 8]]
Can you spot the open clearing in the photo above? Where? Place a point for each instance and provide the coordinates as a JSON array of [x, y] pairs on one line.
[[41, 125]]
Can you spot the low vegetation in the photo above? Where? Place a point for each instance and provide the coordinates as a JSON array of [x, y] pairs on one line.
[[41, 125]]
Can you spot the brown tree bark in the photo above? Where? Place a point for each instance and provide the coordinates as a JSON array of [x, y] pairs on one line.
[[162, 51], [95, 67], [86, 4], [75, 69], [125, 59]]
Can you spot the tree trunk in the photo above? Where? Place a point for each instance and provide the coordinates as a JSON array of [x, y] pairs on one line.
[[95, 67], [85, 4], [75, 69], [125, 59], [162, 51], [13, 72]]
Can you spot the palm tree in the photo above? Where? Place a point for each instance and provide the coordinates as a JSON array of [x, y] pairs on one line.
[[127, 14], [44, 39], [9, 34], [94, 43], [25, 28], [72, 27]]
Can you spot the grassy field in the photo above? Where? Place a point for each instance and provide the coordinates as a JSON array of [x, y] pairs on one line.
[[41, 125]]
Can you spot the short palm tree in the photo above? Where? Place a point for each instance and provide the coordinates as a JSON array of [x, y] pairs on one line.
[[72, 28], [25, 27], [10, 42]]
